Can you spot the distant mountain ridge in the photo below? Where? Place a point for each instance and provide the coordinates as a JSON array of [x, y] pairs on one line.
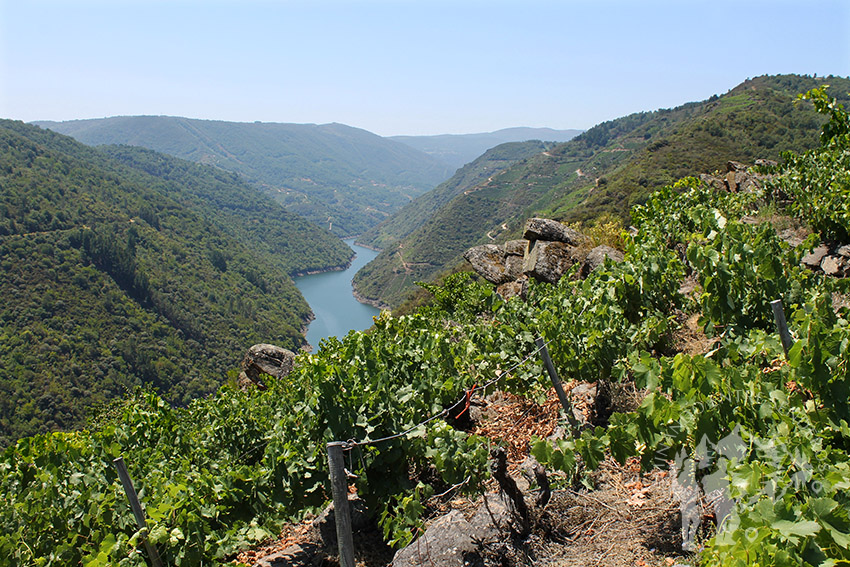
[[605, 170], [459, 149], [343, 178]]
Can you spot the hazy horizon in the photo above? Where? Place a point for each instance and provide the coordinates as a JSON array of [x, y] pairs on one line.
[[401, 67]]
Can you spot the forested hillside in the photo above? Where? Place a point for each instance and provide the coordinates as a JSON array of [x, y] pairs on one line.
[[603, 171], [457, 150], [125, 267], [418, 211], [762, 427], [342, 178]]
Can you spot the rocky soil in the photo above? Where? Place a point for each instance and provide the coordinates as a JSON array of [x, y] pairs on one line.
[[617, 516]]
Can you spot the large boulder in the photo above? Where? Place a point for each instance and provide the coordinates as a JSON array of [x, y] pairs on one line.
[[451, 539], [516, 247], [265, 359], [596, 258], [489, 261], [548, 261], [547, 229]]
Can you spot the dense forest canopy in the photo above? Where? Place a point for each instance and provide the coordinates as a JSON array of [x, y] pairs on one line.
[[123, 267], [336, 176]]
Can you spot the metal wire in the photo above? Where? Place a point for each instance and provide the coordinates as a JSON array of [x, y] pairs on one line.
[[351, 443]]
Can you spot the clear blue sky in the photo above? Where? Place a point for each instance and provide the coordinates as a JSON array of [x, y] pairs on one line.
[[401, 66]]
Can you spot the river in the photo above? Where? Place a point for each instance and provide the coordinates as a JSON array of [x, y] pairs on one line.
[[330, 297]]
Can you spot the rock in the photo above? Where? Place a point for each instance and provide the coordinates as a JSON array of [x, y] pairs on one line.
[[513, 266], [835, 266], [766, 163], [735, 166], [791, 236], [442, 545], [293, 556], [516, 247], [547, 229], [325, 523], [596, 258], [813, 259], [489, 520], [265, 359], [516, 288], [548, 261], [712, 181], [451, 538], [488, 261], [843, 251]]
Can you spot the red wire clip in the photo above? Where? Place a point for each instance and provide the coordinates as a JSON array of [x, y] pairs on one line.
[[468, 395]]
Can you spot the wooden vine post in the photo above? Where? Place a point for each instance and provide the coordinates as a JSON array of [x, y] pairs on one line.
[[136, 506], [556, 382], [781, 325], [342, 513]]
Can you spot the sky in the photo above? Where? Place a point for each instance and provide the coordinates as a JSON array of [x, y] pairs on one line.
[[415, 67]]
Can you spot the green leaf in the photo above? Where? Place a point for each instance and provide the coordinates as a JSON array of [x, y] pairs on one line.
[[791, 530]]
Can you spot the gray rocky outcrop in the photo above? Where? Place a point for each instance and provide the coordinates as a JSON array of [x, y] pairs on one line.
[[489, 261], [451, 538], [265, 359], [548, 261], [546, 252], [596, 257], [551, 230], [738, 177], [833, 260]]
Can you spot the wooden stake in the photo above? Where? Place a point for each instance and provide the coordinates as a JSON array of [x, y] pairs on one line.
[[781, 325], [556, 381], [342, 514], [136, 506]]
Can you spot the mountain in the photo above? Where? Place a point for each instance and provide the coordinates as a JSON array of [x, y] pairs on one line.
[[343, 178], [417, 212], [459, 149], [386, 279], [604, 171], [124, 267]]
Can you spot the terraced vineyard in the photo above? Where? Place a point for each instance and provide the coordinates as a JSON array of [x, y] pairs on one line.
[[227, 470]]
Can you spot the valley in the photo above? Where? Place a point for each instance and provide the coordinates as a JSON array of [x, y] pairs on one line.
[[135, 279]]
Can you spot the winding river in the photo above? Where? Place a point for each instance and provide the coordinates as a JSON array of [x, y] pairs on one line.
[[330, 297]]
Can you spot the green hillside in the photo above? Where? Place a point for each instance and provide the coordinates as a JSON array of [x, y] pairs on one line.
[[457, 150], [607, 169], [418, 211], [337, 176], [761, 428], [124, 267]]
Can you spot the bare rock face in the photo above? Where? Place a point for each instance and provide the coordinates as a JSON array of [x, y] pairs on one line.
[[547, 229], [813, 259], [452, 538], [596, 258], [548, 261], [516, 288], [835, 266], [488, 261], [513, 267], [265, 359], [516, 247]]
